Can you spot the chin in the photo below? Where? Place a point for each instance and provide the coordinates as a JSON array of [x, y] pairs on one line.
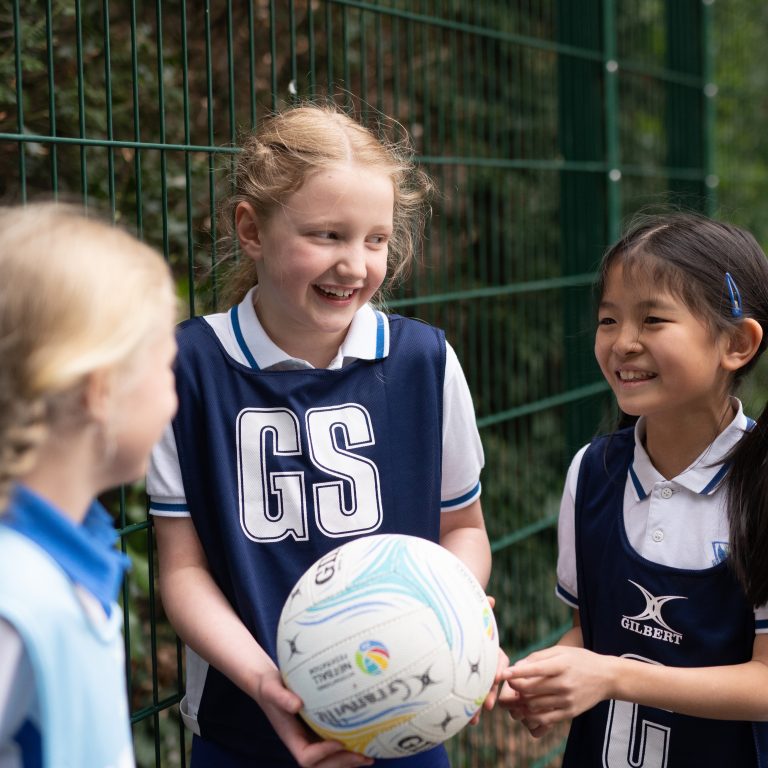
[[126, 474]]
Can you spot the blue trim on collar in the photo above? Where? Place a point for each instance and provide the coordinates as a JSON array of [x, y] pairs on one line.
[[379, 335], [235, 320], [636, 482], [761, 623], [715, 481], [85, 552]]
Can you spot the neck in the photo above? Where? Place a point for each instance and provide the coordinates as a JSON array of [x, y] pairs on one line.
[[62, 475], [673, 445], [318, 352], [318, 349]]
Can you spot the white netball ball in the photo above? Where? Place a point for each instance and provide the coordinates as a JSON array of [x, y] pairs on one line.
[[391, 644]]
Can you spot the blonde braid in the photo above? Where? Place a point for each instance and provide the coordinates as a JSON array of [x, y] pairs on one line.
[[23, 429]]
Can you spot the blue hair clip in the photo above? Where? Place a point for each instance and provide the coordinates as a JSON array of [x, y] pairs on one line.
[[735, 296]]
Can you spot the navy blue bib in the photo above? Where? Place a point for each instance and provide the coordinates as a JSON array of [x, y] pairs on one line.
[[280, 467], [630, 606]]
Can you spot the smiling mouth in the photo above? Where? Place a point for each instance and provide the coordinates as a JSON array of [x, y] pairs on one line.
[[635, 375], [335, 293]]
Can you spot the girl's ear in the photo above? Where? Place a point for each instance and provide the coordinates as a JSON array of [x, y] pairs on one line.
[[742, 344], [248, 231], [97, 395]]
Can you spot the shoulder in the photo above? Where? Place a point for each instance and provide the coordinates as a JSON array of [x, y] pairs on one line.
[[41, 599], [190, 333], [413, 337], [614, 445], [572, 477], [601, 453], [31, 570], [415, 326], [200, 354]]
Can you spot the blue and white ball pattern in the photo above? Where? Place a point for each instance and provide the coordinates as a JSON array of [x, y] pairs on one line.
[[390, 642]]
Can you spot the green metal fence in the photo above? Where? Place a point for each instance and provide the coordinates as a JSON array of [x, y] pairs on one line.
[[544, 123]]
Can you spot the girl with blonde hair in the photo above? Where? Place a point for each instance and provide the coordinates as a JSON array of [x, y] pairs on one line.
[[248, 489], [86, 387]]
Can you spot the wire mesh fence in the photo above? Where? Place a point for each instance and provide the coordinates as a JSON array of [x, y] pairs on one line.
[[543, 123]]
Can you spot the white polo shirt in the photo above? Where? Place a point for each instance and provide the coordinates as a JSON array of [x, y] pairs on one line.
[[245, 340], [680, 522]]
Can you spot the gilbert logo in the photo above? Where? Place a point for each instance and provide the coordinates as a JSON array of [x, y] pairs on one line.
[[652, 612]]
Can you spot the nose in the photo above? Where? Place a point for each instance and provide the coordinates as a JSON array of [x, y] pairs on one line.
[[352, 262], [627, 340]]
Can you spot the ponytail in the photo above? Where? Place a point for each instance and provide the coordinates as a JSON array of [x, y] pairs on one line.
[[747, 504], [23, 429]]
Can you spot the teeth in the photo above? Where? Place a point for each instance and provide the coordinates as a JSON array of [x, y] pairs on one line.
[[342, 293], [635, 375]]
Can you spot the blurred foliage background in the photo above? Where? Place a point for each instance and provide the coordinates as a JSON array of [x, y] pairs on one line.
[[545, 124]]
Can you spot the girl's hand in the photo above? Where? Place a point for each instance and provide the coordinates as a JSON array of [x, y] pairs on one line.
[[515, 704], [556, 684], [502, 669], [281, 706]]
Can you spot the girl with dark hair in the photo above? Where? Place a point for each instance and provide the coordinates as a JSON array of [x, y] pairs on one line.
[[663, 524]]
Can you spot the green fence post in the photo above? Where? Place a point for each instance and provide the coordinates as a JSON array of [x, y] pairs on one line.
[[583, 196], [686, 148], [711, 179]]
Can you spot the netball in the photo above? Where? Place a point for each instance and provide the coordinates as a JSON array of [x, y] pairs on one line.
[[390, 642]]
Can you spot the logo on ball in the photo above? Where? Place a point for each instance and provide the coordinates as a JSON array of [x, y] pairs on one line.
[[488, 623], [372, 657]]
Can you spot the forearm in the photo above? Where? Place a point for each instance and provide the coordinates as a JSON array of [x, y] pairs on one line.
[[572, 638], [209, 625], [735, 692], [199, 611], [563, 681]]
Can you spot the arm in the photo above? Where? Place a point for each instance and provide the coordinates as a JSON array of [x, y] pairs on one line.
[[573, 638], [209, 625], [561, 682], [462, 532]]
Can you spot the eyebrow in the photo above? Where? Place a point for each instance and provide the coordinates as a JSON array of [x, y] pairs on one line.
[[646, 305], [341, 223]]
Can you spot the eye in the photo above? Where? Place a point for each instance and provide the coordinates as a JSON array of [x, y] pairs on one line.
[[653, 320], [377, 239], [606, 321], [326, 235]]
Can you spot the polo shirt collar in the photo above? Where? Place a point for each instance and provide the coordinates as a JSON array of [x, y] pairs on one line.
[[704, 475], [85, 552], [367, 338]]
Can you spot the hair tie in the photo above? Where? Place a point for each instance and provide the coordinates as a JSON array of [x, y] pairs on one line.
[[735, 296]]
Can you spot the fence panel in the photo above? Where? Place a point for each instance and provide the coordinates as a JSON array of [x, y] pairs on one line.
[[543, 123]]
